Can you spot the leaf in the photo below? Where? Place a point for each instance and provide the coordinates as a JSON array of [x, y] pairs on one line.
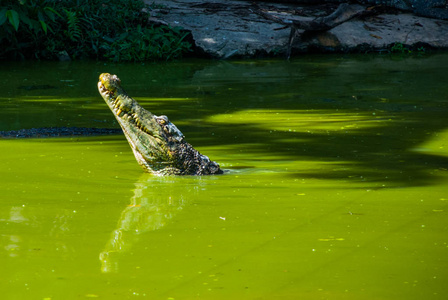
[[50, 12], [13, 17], [23, 17], [74, 31], [44, 26], [40, 16], [123, 36], [108, 39], [3, 17]]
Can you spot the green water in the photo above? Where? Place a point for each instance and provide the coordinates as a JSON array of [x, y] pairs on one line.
[[336, 184]]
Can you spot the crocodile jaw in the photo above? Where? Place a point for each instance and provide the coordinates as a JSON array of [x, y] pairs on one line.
[[140, 127]]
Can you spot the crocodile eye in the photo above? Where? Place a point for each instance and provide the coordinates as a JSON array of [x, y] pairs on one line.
[[116, 79], [162, 120]]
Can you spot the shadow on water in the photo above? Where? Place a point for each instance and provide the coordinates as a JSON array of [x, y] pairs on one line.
[[365, 117]]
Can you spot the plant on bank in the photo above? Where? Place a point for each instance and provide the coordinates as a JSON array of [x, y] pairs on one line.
[[403, 49], [22, 24], [117, 30]]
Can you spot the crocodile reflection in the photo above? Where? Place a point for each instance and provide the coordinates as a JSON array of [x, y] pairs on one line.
[[155, 202]]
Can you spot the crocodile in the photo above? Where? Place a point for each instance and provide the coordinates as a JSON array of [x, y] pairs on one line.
[[158, 145]]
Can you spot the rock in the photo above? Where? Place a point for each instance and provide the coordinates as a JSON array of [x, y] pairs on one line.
[[224, 29], [228, 28], [63, 56], [380, 31]]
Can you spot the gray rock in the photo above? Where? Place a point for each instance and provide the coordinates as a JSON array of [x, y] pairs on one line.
[[229, 28]]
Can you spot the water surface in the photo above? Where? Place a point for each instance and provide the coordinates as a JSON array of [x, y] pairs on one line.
[[335, 185]]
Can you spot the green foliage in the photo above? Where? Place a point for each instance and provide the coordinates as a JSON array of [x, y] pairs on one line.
[[403, 49], [22, 25], [400, 48], [13, 18], [117, 30], [73, 32], [150, 43]]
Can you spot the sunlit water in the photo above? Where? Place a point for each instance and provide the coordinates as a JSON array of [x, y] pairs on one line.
[[336, 182]]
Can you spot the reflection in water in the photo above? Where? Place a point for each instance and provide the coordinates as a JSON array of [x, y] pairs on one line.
[[155, 202]]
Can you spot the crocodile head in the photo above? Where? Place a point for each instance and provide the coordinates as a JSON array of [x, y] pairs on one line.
[[158, 145]]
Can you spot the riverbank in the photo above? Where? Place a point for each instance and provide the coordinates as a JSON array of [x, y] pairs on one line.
[[229, 29]]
